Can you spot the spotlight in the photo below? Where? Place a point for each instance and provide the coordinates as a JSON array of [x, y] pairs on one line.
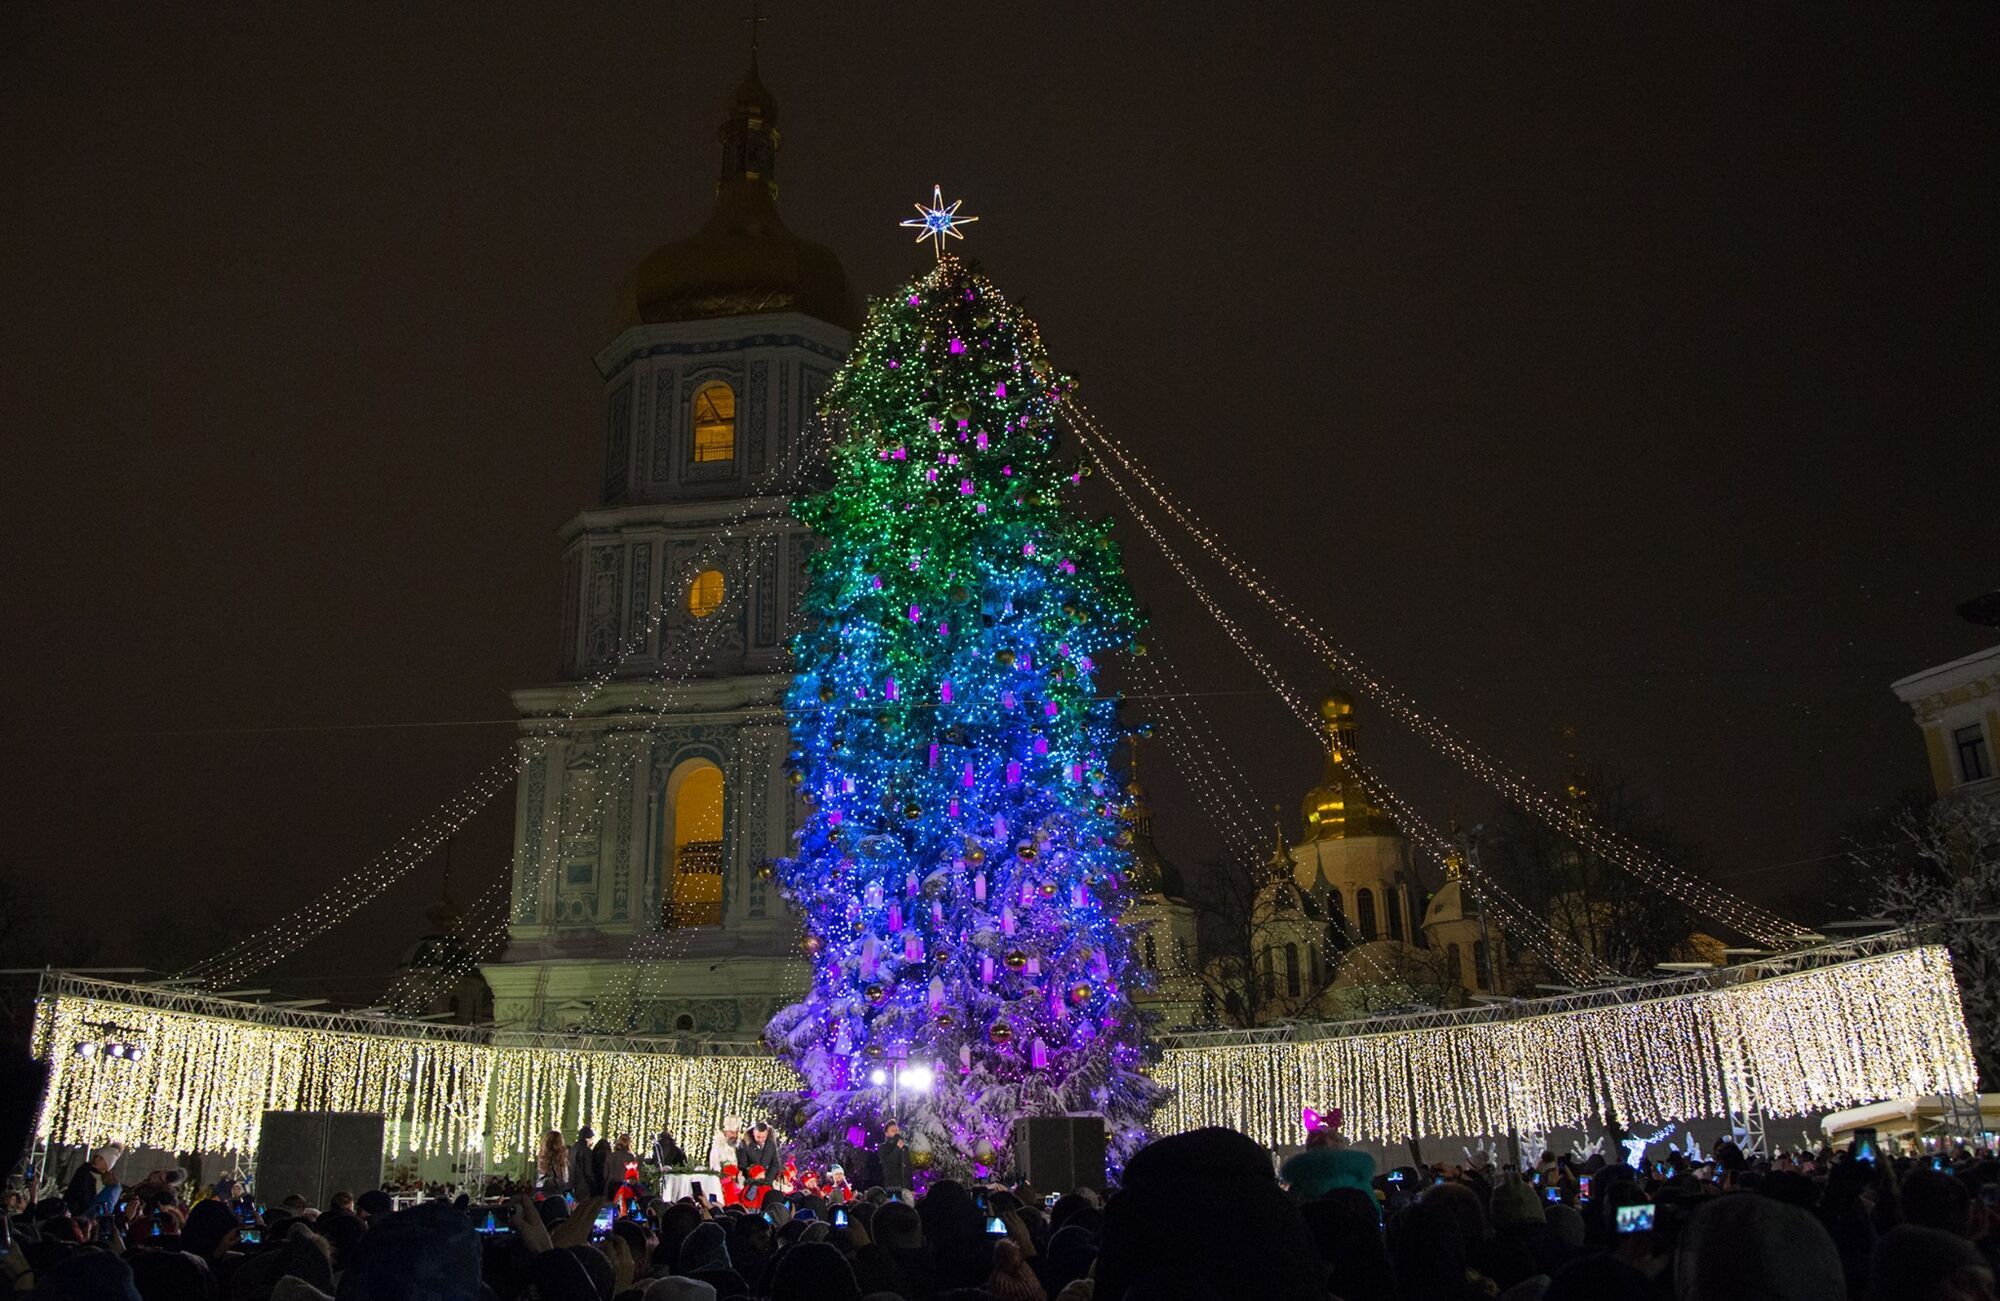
[[878, 1076], [133, 1052], [917, 1079], [114, 1050], [86, 1050]]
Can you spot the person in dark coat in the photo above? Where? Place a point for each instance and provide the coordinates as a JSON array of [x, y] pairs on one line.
[[895, 1156], [584, 1176], [758, 1148]]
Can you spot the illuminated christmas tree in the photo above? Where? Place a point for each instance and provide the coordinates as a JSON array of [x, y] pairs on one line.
[[961, 867]]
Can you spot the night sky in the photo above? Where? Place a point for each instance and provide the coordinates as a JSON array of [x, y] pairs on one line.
[[1625, 366]]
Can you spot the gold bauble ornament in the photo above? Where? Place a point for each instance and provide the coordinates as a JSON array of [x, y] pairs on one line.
[[922, 1159], [913, 810], [795, 777], [1001, 1032], [810, 944], [1079, 993], [1048, 889], [1027, 853], [875, 993], [1004, 658], [975, 856], [961, 412], [825, 694], [1016, 960]]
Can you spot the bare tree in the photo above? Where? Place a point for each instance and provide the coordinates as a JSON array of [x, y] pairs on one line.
[[1589, 900], [1942, 879]]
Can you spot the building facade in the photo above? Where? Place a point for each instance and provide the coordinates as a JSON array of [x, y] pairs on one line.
[[1958, 707], [652, 794]]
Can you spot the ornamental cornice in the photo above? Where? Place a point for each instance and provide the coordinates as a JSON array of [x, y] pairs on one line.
[[724, 334], [637, 703], [1969, 677], [741, 515]]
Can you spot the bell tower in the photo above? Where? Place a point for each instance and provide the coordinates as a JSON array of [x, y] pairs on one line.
[[651, 798]]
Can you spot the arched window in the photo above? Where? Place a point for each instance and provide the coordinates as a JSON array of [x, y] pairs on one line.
[[1291, 971], [714, 423], [694, 878], [1480, 975], [1152, 954], [1393, 904], [1454, 965], [1333, 908], [1312, 963], [1270, 974], [705, 593], [1364, 908]]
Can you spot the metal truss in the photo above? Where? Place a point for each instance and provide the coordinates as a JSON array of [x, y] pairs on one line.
[[58, 985]]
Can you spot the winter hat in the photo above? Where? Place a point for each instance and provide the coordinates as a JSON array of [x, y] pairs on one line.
[[1163, 1225], [1011, 1279], [814, 1271], [87, 1275], [293, 1288], [706, 1248], [1515, 1202], [1913, 1260], [109, 1154], [1317, 1171], [676, 1288], [1746, 1245], [1567, 1223], [425, 1253]]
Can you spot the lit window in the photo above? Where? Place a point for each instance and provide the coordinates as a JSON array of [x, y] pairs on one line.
[[1973, 762], [705, 593], [714, 423], [694, 885]]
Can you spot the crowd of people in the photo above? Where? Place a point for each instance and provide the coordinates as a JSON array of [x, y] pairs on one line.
[[1208, 1214]]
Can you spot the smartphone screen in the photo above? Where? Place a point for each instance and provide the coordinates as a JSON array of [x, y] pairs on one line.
[[694, 1186], [840, 1218], [1553, 1193], [1583, 1187], [600, 1228], [995, 1227], [1635, 1219], [251, 1236]]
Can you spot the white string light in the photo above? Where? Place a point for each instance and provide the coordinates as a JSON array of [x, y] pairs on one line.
[[1857, 1031], [1864, 1030], [1572, 964], [1702, 896]]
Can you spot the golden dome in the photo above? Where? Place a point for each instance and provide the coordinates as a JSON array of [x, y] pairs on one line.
[[1339, 808], [742, 261]]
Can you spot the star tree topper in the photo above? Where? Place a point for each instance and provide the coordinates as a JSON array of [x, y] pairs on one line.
[[937, 221]]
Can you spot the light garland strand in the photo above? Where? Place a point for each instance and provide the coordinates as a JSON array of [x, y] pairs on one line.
[[1862, 1031], [1536, 932], [1854, 1032], [1704, 897]]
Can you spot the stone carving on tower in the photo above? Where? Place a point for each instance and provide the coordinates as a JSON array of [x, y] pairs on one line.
[[651, 798]]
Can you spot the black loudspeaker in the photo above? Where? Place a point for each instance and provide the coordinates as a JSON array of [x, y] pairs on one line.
[[317, 1154], [1060, 1154]]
